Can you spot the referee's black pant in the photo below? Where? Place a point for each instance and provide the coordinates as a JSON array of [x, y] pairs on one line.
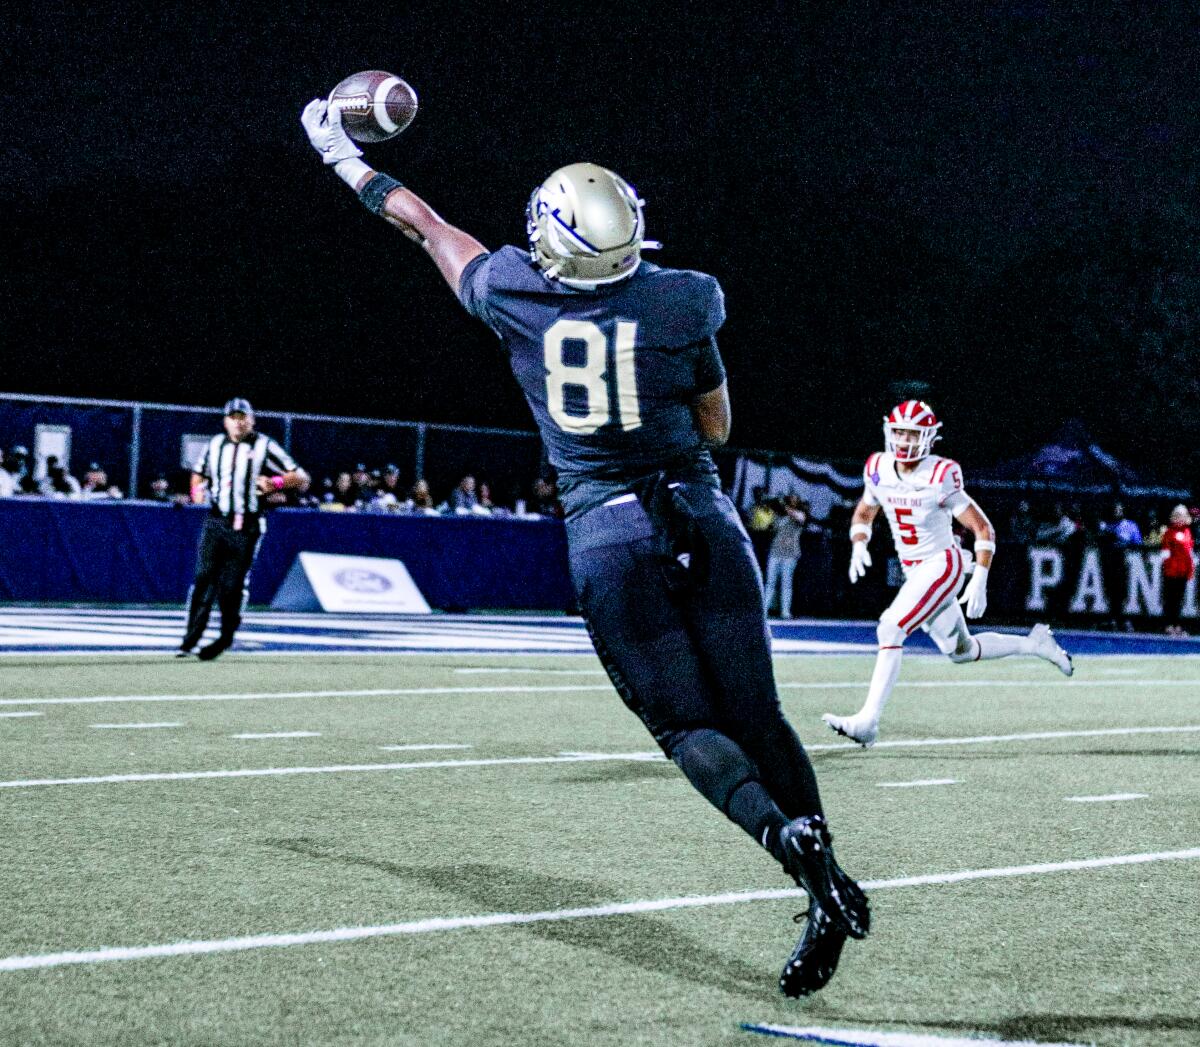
[[222, 565]]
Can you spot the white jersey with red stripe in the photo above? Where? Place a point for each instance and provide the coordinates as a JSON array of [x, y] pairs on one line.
[[919, 505]]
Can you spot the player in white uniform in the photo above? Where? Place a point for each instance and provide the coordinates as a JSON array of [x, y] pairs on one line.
[[919, 493]]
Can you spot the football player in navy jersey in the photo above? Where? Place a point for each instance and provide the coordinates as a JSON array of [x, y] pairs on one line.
[[618, 360]]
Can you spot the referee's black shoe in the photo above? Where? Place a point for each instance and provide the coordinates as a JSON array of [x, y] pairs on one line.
[[215, 649], [184, 652], [808, 858]]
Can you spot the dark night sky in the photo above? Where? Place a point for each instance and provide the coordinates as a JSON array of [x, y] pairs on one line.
[[941, 195]]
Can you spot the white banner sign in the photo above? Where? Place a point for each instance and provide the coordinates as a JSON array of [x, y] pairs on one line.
[[331, 582]]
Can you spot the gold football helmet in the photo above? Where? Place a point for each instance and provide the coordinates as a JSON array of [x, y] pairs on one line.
[[585, 227]]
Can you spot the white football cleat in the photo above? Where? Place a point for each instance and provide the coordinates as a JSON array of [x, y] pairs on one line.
[[1045, 646], [851, 727]]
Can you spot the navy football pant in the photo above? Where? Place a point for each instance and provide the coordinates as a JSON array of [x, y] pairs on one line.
[[689, 652]]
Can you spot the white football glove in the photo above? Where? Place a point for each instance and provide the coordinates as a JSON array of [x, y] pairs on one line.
[[975, 594], [860, 560], [324, 128]]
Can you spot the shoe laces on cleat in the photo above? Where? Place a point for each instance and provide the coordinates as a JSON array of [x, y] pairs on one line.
[[809, 860], [815, 958]]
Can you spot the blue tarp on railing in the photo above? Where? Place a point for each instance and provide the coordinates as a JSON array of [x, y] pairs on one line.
[[144, 552]]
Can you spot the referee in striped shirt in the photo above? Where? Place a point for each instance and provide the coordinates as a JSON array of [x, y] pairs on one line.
[[236, 468]]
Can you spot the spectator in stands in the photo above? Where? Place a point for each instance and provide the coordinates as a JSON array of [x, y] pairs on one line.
[[8, 482], [390, 482], [760, 522], [59, 483], [785, 554], [346, 491], [160, 489], [1125, 532], [1154, 531], [363, 484], [1022, 527], [464, 499], [420, 500], [485, 499], [1178, 567], [96, 485], [543, 499], [1060, 530], [22, 471]]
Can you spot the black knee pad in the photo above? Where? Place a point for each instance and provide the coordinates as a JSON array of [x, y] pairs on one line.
[[714, 763]]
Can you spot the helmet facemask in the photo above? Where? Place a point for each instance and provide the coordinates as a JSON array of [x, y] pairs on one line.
[[912, 416], [586, 227]]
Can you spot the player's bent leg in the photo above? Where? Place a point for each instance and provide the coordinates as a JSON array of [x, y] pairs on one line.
[[948, 629]]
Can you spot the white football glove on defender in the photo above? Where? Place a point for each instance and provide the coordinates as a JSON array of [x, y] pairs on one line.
[[324, 128], [860, 560], [975, 594]]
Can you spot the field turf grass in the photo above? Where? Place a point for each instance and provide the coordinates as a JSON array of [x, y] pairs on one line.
[[1107, 956]]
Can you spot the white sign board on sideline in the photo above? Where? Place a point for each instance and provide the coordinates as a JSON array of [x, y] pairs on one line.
[[331, 582]]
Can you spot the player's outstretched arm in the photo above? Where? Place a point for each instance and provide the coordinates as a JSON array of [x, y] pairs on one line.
[[449, 247]]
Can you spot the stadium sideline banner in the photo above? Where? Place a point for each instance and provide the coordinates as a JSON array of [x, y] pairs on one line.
[[333, 582]]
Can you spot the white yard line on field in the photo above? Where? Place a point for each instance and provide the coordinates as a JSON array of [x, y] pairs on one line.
[[456, 923], [479, 671], [416, 747], [279, 734], [564, 757], [269, 772], [13, 716], [398, 692], [871, 1038], [1114, 797], [252, 696], [918, 782]]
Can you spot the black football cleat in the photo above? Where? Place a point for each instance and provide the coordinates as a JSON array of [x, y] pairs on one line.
[[808, 859], [184, 652], [214, 650], [815, 957]]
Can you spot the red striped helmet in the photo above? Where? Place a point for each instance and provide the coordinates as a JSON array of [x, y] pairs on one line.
[[913, 416]]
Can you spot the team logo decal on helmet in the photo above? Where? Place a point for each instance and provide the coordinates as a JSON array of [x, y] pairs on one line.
[[586, 227], [912, 416]]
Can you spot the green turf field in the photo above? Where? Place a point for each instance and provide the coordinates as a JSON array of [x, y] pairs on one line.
[[1105, 955]]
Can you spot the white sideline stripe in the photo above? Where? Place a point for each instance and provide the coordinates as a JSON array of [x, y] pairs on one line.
[[869, 1038], [280, 734], [1111, 796], [564, 689], [563, 757], [265, 772], [132, 726], [378, 692], [1030, 736], [13, 716], [532, 672], [919, 781], [420, 746], [456, 923]]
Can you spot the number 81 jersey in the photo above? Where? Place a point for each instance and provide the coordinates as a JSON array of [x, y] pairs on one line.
[[609, 373], [919, 505]]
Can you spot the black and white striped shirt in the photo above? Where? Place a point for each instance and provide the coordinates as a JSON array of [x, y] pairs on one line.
[[232, 471]]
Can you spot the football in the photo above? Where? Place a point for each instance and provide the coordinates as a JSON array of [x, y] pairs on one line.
[[375, 105]]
